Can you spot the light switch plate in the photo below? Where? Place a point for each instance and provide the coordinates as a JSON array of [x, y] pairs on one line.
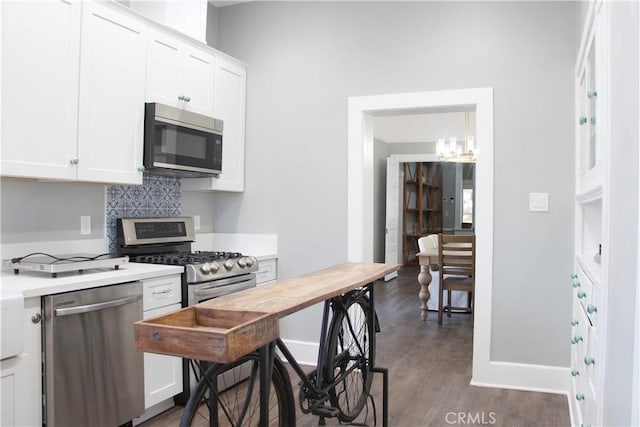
[[85, 225], [538, 202], [196, 222]]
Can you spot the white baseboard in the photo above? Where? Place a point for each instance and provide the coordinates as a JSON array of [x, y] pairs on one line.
[[305, 352], [522, 376]]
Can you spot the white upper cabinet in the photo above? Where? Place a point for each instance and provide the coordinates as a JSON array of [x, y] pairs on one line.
[[112, 85], [230, 107], [40, 61], [179, 74]]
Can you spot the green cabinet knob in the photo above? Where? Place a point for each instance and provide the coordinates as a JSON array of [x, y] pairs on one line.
[[181, 98], [592, 94], [582, 294], [140, 168], [576, 283], [582, 120], [574, 373], [592, 309], [593, 120], [578, 338], [579, 396], [589, 360], [585, 425], [574, 276], [187, 98], [574, 322]]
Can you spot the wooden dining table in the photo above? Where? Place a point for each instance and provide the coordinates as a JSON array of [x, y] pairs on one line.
[[427, 256]]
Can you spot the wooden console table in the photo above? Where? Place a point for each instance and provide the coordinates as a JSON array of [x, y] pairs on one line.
[[226, 328]]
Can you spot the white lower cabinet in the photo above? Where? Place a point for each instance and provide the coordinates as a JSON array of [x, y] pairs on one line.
[[162, 374], [267, 271], [20, 376]]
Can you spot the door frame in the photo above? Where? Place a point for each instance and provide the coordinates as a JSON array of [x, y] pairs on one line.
[[360, 191]]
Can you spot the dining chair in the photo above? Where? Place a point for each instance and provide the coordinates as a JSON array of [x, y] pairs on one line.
[[457, 260]]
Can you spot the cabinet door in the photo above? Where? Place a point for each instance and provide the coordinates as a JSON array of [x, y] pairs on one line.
[[198, 81], [229, 106], [199, 69], [162, 374], [164, 69], [21, 376], [40, 55], [112, 85]]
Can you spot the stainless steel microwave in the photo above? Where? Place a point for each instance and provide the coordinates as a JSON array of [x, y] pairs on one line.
[[180, 142]]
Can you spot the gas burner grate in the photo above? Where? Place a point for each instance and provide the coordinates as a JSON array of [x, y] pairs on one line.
[[185, 258]]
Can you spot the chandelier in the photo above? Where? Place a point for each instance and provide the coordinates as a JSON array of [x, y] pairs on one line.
[[457, 151]]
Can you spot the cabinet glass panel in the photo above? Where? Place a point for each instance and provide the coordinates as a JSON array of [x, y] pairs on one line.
[[591, 104]]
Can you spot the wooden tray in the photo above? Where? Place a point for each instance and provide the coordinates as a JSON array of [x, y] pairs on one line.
[[203, 333]]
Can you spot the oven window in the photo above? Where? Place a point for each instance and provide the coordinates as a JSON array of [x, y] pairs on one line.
[[187, 147]]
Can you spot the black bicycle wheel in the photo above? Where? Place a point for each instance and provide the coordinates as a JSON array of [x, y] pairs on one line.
[[350, 355], [235, 400]]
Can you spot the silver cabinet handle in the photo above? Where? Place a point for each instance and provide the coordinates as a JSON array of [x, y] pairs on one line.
[[95, 307], [161, 292]]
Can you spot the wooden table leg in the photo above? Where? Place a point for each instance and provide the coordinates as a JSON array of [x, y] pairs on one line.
[[424, 278]]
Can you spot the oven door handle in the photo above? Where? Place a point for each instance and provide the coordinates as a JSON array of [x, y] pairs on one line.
[[219, 290], [95, 307]]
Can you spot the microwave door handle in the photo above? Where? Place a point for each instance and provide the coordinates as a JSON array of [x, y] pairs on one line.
[[186, 125], [95, 307]]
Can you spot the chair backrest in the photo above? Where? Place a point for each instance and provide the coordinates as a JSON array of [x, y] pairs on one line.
[[457, 254]]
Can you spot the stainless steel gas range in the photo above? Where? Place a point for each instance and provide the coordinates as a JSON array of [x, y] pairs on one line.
[[168, 241], [207, 275]]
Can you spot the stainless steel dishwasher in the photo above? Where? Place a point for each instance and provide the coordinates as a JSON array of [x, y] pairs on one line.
[[93, 373]]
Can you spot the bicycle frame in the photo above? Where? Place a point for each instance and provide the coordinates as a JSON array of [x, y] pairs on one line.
[[318, 390]]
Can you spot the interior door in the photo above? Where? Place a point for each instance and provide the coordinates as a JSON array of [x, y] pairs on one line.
[[391, 250]]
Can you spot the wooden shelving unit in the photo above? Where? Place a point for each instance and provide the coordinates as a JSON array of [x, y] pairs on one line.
[[422, 205]]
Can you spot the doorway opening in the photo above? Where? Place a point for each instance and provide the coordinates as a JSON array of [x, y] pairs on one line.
[[360, 242]]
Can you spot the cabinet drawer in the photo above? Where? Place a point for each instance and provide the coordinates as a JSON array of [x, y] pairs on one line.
[[161, 291], [267, 270], [590, 295]]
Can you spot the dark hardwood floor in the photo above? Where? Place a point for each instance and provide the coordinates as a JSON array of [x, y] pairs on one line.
[[429, 373]]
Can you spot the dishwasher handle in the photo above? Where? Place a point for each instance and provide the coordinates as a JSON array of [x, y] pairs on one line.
[[98, 306]]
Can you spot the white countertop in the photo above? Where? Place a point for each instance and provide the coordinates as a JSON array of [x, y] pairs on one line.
[[35, 284]]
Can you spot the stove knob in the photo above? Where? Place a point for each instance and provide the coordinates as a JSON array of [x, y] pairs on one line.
[[205, 268], [249, 261], [242, 262], [214, 266], [228, 264]]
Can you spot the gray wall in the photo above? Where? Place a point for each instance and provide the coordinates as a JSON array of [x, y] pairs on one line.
[[44, 211], [306, 58], [623, 255]]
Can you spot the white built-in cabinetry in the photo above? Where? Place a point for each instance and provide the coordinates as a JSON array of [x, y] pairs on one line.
[[229, 106], [590, 279], [75, 77], [162, 374]]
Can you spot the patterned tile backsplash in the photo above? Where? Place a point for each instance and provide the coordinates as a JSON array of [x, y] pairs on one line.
[[157, 196]]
